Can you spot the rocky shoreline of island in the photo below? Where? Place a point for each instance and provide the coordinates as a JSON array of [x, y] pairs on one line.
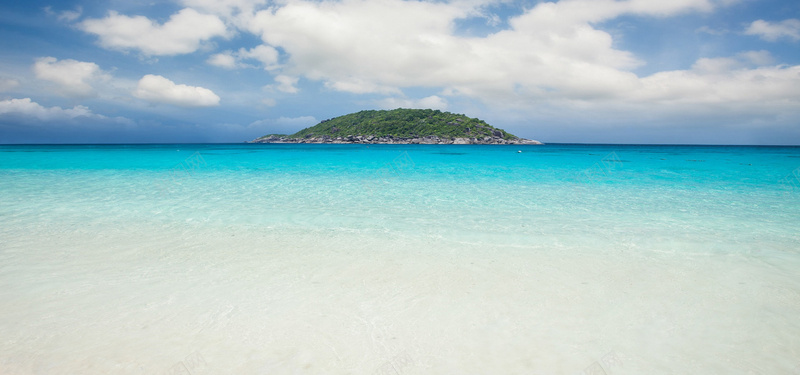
[[371, 139]]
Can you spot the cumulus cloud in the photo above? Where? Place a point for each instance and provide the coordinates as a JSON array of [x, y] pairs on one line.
[[357, 85], [432, 102], [26, 121], [266, 56], [731, 81], [223, 60], [182, 33], [733, 93], [772, 31], [285, 84], [747, 59], [74, 78], [550, 47], [351, 59], [26, 108], [236, 12], [157, 89], [551, 57]]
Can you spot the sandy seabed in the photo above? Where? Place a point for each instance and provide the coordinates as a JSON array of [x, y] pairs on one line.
[[210, 299]]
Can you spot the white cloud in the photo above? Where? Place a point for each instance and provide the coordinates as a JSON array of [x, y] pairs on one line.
[[286, 84], [357, 85], [264, 54], [236, 12], [772, 31], [27, 108], [757, 58], [74, 78], [223, 60], [732, 82], [66, 15], [743, 60], [182, 33], [357, 46], [551, 47], [157, 89], [733, 93], [432, 102], [7, 84], [552, 57], [70, 15]]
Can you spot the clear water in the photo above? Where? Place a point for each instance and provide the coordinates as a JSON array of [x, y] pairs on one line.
[[349, 259]]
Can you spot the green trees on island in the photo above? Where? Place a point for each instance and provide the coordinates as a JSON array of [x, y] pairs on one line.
[[404, 123]]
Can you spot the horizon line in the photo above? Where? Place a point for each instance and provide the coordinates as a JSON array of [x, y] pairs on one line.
[[404, 144]]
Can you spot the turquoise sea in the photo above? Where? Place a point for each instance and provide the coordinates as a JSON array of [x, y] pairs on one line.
[[399, 259]]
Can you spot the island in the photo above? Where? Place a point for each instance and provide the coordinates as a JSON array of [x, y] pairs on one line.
[[401, 126]]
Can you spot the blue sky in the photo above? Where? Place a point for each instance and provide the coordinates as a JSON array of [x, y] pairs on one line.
[[624, 71]]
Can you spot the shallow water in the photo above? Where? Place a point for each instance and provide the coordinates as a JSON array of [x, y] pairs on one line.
[[272, 259]]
